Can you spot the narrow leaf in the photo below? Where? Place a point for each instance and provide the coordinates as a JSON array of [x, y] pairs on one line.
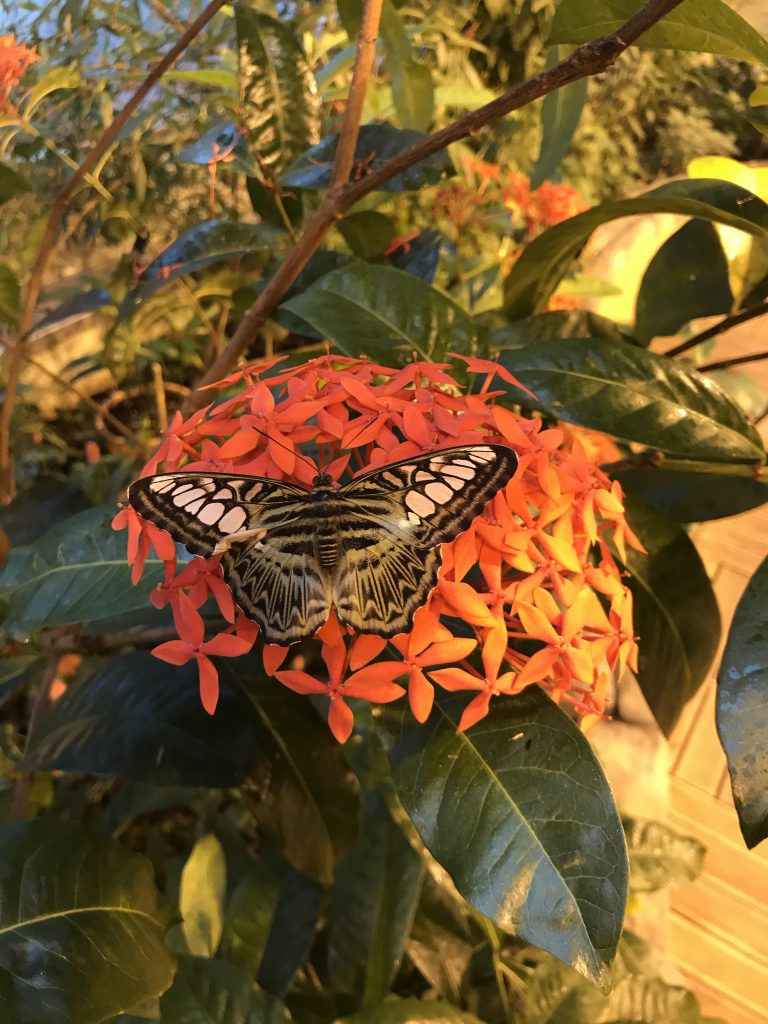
[[201, 896], [9, 296], [560, 116], [412, 88]]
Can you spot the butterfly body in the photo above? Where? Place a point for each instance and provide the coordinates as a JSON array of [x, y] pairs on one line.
[[369, 547]]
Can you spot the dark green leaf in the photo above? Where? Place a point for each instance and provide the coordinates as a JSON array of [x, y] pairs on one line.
[[207, 992], [373, 902], [278, 94], [81, 933], [384, 314], [375, 145], [9, 296], [11, 183], [14, 673], [557, 325], [519, 813], [708, 26], [367, 233], [420, 255], [76, 573], [292, 932], [250, 912], [141, 718], [220, 139], [443, 938], [742, 708], [658, 856], [691, 497], [676, 614], [687, 278], [77, 307], [411, 1011], [412, 89], [308, 798], [263, 201], [38, 508], [629, 393], [546, 260], [560, 116]]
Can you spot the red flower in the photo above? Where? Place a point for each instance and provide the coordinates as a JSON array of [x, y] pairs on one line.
[[15, 58]]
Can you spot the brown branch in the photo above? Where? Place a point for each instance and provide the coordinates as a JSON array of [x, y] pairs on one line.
[[732, 320], [35, 282], [721, 364], [350, 129], [587, 59]]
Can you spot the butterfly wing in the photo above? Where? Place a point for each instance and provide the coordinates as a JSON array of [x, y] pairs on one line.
[[393, 521], [265, 537]]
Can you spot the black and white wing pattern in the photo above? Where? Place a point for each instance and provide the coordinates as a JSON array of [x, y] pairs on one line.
[[392, 522], [263, 531]]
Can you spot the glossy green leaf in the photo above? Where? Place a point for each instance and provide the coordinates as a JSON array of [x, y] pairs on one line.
[[9, 296], [376, 144], [419, 256], [635, 395], [293, 928], [546, 260], [659, 856], [201, 896], [691, 496], [687, 278], [520, 814], [76, 573], [742, 708], [278, 94], [308, 798], [250, 912], [384, 314], [373, 902], [367, 232], [675, 612], [140, 718], [560, 116], [81, 932], [263, 201], [67, 77], [412, 88], [11, 183], [207, 992], [708, 26], [411, 1011], [76, 307], [557, 325]]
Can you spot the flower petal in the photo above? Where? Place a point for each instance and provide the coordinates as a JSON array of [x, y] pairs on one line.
[[209, 683]]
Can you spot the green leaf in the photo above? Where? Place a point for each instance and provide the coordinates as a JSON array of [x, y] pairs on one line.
[[308, 798], [756, 110], [140, 718], [9, 296], [676, 614], [411, 1011], [385, 314], [690, 496], [412, 88], [220, 138], [708, 26], [14, 673], [419, 256], [545, 261], [201, 896], [519, 813], [659, 856], [219, 78], [373, 902], [376, 144], [207, 992], [278, 93], [11, 183], [77, 307], [687, 278], [293, 929], [560, 116], [81, 933], [555, 325], [250, 912], [742, 708], [367, 232], [635, 395], [53, 80], [76, 573]]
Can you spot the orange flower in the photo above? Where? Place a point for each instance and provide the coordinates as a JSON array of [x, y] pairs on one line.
[[15, 58], [525, 571]]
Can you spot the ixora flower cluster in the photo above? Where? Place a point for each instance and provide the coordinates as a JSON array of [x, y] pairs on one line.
[[533, 579], [15, 58]]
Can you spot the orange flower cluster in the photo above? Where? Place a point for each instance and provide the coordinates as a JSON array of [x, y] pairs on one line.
[[531, 593], [14, 61]]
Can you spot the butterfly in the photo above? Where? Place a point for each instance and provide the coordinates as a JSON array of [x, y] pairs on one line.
[[369, 547]]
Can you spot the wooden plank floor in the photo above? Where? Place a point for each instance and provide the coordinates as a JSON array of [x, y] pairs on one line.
[[718, 929]]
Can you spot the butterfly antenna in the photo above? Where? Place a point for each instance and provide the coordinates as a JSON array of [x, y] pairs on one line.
[[280, 444]]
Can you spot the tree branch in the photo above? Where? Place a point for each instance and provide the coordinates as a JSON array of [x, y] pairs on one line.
[[721, 364], [588, 59], [35, 282], [732, 320]]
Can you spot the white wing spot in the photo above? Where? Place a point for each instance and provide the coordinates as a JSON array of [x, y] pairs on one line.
[[224, 494], [233, 520], [461, 470], [211, 513], [438, 492], [422, 476], [413, 518], [484, 454], [195, 507], [182, 498], [420, 504], [161, 483]]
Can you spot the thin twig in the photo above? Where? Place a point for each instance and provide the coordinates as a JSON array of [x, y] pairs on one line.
[[35, 282], [732, 320], [20, 800], [364, 58], [588, 59], [159, 8], [158, 385], [721, 364]]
